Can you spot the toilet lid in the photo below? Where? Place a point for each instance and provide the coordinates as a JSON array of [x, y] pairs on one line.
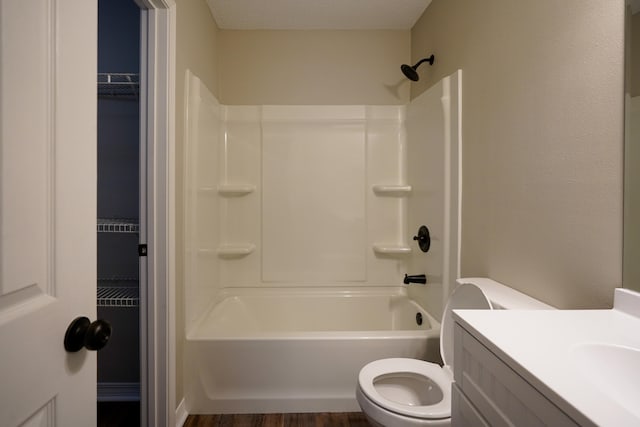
[[464, 296], [403, 367]]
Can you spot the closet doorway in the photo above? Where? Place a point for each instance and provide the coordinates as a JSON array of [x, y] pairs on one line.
[[120, 276]]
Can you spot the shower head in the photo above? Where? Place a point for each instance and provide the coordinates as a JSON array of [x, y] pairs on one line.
[[411, 71]]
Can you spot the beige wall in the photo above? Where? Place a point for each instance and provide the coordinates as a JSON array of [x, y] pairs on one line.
[[313, 67], [631, 267], [634, 60], [542, 140], [196, 38]]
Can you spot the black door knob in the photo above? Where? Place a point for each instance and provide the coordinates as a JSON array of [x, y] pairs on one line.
[[84, 333]]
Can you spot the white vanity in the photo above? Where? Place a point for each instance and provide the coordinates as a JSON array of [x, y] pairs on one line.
[[554, 368]]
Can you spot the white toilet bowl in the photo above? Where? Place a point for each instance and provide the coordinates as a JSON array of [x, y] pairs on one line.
[[409, 392], [405, 392]]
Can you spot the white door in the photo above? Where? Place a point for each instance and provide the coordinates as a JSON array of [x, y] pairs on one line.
[[47, 209]]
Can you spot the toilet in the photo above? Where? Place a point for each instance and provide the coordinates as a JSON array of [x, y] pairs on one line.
[[401, 392]]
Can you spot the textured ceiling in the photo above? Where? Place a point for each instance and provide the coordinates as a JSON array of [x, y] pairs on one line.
[[317, 14]]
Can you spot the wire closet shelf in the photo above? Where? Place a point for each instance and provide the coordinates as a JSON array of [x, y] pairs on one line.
[[118, 291], [119, 85], [111, 296], [118, 225]]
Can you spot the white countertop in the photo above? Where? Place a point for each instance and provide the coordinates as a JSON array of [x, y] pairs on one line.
[[538, 344]]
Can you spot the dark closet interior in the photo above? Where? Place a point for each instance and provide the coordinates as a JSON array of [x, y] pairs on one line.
[[118, 198]]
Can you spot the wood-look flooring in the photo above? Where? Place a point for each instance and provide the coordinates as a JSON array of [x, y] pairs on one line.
[[343, 419]]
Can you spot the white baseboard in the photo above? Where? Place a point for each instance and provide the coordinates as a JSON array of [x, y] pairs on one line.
[[118, 392], [181, 414]]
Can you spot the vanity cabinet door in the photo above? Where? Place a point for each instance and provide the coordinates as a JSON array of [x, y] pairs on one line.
[[463, 413], [498, 393]]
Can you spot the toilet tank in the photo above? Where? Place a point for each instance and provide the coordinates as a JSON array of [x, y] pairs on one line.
[[503, 297]]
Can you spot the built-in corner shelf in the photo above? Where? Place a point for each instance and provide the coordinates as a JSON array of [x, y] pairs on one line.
[[392, 190], [236, 250], [391, 249], [235, 190]]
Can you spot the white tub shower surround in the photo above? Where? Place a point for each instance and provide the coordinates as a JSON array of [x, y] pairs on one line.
[[299, 226]]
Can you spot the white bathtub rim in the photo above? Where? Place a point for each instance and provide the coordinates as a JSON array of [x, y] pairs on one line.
[[192, 333], [323, 335], [279, 290]]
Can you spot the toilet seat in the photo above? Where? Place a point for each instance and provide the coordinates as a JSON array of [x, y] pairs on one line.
[[407, 368]]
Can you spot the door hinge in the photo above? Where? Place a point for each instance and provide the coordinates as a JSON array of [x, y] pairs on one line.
[[142, 250]]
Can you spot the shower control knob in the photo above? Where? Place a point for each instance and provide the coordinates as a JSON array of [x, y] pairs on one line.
[[84, 333], [423, 238]]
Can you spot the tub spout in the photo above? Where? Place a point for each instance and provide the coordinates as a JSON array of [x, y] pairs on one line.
[[418, 278]]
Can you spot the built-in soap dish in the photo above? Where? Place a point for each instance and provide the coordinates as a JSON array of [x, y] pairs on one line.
[[235, 190], [392, 190], [391, 249], [236, 251]]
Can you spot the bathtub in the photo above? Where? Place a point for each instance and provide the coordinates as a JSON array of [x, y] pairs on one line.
[[299, 350]]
